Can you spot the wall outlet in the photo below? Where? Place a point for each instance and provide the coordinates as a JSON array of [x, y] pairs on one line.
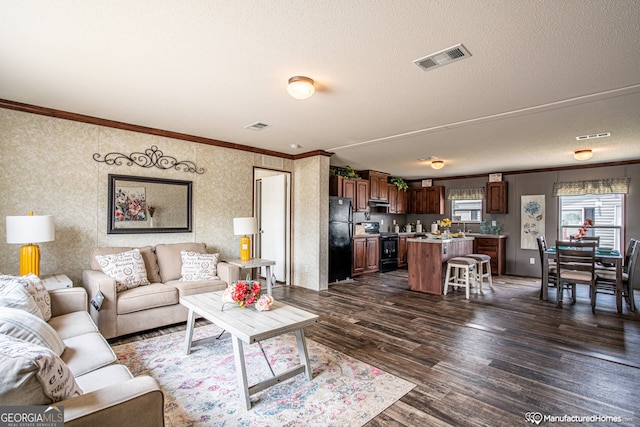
[[532, 260]]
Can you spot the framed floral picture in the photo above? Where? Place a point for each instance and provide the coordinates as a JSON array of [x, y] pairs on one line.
[[532, 220]]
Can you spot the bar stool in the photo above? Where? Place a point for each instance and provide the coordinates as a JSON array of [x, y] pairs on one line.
[[483, 269], [459, 269]]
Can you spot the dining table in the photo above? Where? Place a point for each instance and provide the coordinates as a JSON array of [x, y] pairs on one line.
[[602, 255]]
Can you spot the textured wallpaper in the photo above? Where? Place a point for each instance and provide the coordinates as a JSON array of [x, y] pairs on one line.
[[49, 169]]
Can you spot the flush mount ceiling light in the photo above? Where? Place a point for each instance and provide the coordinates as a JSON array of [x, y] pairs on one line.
[[583, 154], [300, 87], [437, 164]]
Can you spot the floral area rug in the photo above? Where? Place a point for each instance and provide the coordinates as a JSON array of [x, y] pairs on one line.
[[201, 388]]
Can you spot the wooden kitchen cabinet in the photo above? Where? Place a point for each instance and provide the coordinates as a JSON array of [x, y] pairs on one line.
[[401, 207], [426, 200], [496, 248], [366, 255], [392, 191], [496, 197], [403, 249], [378, 185], [354, 188]]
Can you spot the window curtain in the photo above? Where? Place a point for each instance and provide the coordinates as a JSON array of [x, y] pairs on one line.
[[596, 186], [466, 193]]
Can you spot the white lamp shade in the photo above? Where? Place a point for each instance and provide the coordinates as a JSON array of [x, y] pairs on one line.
[[30, 229], [244, 226]]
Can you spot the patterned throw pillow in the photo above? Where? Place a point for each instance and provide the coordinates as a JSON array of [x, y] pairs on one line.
[[197, 266], [33, 375], [13, 294], [29, 327], [34, 285], [126, 268]]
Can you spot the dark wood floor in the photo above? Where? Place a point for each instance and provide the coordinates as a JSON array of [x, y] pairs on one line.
[[486, 361]]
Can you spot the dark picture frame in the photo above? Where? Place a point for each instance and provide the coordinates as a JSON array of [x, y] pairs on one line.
[[139, 205]]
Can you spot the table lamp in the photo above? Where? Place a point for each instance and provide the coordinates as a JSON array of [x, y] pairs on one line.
[[243, 227], [29, 230]]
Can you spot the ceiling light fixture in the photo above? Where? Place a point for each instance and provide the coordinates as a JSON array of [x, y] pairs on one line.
[[583, 154], [300, 87], [437, 164]]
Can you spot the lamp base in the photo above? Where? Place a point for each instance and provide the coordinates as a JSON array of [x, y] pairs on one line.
[[30, 260], [245, 248]]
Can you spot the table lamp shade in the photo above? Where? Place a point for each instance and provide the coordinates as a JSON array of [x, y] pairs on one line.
[[243, 227], [29, 230]]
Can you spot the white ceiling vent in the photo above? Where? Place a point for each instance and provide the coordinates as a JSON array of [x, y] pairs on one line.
[[257, 126], [594, 136], [444, 57]]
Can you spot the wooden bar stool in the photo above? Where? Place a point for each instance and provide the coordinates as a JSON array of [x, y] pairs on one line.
[[483, 269], [459, 270]]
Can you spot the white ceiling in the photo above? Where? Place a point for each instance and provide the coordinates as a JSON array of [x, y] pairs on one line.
[[541, 73]]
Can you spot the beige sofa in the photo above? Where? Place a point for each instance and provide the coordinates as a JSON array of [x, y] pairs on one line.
[[110, 394], [154, 305]]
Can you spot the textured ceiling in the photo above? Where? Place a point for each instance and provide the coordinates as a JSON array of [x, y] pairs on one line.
[[541, 73]]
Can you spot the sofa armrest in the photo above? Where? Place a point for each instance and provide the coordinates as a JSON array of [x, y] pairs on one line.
[[68, 300], [94, 281], [227, 272], [136, 402]]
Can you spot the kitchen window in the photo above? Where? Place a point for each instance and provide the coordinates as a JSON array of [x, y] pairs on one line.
[[466, 204]]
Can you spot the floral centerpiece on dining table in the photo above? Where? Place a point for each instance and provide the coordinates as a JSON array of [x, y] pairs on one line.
[[582, 231], [247, 292]]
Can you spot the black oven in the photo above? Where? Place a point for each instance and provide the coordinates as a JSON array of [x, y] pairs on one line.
[[388, 251]]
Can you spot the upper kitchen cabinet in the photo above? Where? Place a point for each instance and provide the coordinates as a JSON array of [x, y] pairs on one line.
[[397, 200], [426, 200], [355, 189], [378, 186], [496, 194]]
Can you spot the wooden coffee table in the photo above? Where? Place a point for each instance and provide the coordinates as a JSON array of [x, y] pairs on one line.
[[250, 326]]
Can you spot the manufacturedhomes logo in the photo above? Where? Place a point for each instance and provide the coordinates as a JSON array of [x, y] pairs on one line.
[[32, 416]]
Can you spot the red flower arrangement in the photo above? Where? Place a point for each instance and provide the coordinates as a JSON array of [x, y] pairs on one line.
[[244, 292], [582, 231]]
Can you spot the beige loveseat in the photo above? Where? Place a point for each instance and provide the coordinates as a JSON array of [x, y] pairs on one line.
[[110, 395], [153, 305]]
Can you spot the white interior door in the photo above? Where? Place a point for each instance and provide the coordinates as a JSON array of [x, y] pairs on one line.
[[272, 222]]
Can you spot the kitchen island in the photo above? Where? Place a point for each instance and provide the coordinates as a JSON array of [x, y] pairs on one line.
[[427, 259]]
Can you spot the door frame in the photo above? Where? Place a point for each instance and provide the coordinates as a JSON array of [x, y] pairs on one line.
[[258, 174]]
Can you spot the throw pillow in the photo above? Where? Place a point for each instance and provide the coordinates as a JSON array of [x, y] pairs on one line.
[[36, 288], [33, 375], [29, 327], [126, 268], [197, 266], [14, 295]]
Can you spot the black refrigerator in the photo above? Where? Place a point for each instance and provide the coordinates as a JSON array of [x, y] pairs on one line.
[[340, 234]]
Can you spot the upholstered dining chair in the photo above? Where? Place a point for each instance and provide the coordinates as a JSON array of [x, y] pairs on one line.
[[606, 278], [551, 267], [576, 265]]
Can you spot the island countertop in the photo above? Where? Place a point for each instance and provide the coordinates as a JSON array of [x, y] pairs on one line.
[[438, 241]]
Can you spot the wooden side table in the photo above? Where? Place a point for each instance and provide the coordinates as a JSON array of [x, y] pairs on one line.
[[56, 281], [255, 263]]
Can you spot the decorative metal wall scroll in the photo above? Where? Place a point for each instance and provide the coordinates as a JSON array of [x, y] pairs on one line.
[[152, 157]]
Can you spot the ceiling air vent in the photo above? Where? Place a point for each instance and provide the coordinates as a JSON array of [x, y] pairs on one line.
[[594, 136], [444, 57], [257, 126]]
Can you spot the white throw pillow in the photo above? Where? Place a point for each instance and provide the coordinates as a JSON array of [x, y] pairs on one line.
[[126, 268], [29, 327], [33, 375], [13, 294], [197, 266]]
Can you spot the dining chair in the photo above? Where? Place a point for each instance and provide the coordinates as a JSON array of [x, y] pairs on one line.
[[606, 279], [551, 267], [586, 239], [576, 265]]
